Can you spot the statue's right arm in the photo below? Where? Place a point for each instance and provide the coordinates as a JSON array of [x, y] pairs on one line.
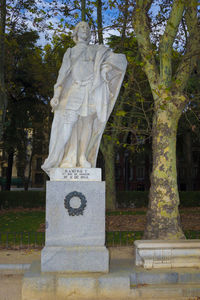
[[63, 72]]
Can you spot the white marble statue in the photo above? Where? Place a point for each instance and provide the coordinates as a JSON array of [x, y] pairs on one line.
[[88, 84]]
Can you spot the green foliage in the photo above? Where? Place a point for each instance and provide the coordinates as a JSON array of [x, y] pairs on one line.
[[132, 114], [192, 234], [27, 91], [25, 199]]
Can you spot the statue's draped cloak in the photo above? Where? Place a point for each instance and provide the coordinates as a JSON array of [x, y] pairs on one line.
[[109, 70]]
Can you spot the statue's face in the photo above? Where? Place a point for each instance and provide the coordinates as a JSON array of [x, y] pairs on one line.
[[83, 32]]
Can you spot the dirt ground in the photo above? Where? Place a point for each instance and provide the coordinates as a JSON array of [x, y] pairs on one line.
[[10, 291], [190, 219], [18, 256]]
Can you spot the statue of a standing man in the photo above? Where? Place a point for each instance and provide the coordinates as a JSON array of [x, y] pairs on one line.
[[88, 84]]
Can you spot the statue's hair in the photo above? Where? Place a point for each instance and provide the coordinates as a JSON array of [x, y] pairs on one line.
[[75, 32]]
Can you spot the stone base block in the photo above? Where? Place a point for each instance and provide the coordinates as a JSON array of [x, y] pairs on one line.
[[123, 282], [86, 286], [80, 287], [114, 287], [167, 254], [74, 259]]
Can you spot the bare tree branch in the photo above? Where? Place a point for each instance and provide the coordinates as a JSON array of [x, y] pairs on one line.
[[141, 26], [167, 41], [192, 52]]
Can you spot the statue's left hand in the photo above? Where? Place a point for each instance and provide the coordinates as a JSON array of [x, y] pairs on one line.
[[54, 103], [104, 72]]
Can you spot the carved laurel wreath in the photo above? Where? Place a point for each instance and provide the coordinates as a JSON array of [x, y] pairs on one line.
[[75, 211]]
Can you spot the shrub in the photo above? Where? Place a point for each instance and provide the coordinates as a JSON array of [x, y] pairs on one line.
[[25, 199], [125, 199], [131, 199], [189, 199]]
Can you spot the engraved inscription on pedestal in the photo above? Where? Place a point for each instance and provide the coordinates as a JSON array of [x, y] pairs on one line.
[[75, 174]]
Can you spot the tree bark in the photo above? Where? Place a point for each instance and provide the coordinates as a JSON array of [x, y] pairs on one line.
[[125, 19], [109, 158], [163, 219], [9, 170], [27, 180], [99, 21], [3, 99], [147, 165], [83, 10]]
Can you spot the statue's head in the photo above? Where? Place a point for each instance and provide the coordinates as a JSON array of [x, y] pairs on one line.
[[84, 27]]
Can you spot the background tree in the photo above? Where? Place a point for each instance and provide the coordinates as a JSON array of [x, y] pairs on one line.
[[130, 121], [99, 22], [16, 16], [3, 99], [167, 85], [26, 91], [83, 10], [189, 134]]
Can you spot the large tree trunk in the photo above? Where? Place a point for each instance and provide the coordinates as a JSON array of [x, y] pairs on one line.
[[109, 158], [163, 220], [27, 180], [3, 99], [99, 21], [83, 10], [147, 165], [9, 170], [125, 19]]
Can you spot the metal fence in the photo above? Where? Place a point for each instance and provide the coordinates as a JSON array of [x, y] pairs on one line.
[[26, 240], [22, 240]]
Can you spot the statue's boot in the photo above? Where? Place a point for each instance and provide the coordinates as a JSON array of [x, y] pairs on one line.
[[83, 162]]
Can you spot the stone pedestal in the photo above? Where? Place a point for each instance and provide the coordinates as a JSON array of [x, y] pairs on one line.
[[75, 222]]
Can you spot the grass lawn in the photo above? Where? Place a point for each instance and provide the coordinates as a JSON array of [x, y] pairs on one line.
[[21, 228], [31, 220], [21, 221]]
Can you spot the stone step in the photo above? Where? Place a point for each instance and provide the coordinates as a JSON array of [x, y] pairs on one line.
[[157, 254], [149, 277], [166, 291]]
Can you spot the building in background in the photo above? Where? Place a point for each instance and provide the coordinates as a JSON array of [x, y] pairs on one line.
[[132, 170]]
